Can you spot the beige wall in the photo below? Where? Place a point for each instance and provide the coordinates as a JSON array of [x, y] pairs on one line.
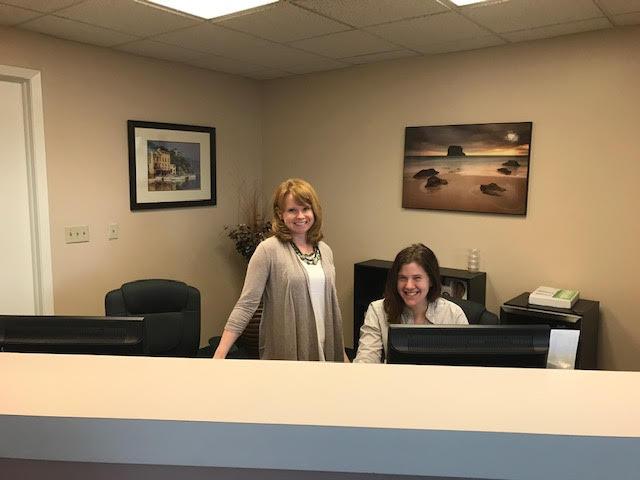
[[89, 94], [344, 131]]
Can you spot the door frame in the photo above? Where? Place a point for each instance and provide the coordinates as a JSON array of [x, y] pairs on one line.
[[31, 86]]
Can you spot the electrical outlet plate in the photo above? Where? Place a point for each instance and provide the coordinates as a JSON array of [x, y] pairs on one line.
[[113, 231], [76, 234]]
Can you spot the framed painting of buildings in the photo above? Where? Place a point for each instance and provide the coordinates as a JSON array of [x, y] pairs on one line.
[[469, 168], [171, 165]]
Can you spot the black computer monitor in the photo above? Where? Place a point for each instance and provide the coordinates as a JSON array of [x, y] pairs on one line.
[[469, 345], [72, 334]]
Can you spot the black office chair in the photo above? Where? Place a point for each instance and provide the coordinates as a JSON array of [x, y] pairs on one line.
[[475, 312], [171, 312]]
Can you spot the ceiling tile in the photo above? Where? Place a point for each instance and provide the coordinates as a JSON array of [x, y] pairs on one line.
[[288, 59], [379, 57], [268, 74], [207, 38], [149, 48], [361, 13], [616, 7], [284, 23], [463, 45], [419, 33], [222, 64], [45, 6], [127, 16], [14, 15], [227, 43], [558, 30], [76, 31], [319, 65], [522, 14], [345, 44], [627, 19]]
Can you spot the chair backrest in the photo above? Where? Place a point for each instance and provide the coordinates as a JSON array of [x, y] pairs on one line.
[[475, 312], [171, 312]]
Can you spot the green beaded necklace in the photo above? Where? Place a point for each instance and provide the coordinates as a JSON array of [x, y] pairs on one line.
[[309, 258]]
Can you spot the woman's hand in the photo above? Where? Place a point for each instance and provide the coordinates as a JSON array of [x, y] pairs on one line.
[[226, 342]]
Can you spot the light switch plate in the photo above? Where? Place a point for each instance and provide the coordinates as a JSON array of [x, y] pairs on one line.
[[76, 234], [113, 231]]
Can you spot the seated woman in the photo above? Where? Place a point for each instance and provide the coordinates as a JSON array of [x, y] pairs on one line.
[[411, 295]]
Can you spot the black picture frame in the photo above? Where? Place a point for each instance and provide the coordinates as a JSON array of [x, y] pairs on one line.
[[171, 165], [479, 168]]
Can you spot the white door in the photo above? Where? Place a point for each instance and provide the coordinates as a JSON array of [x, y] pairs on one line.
[[25, 271]]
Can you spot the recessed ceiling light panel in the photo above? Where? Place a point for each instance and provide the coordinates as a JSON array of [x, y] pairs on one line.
[[209, 9]]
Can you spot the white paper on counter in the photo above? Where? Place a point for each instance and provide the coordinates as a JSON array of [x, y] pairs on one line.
[[563, 346]]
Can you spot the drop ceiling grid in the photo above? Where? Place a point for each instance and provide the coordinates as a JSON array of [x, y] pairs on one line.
[[44, 6], [362, 13], [618, 7], [474, 43], [556, 30], [525, 14], [10, 15], [210, 38], [301, 36], [77, 31], [421, 33], [345, 44], [149, 48], [627, 19], [228, 65], [380, 57]]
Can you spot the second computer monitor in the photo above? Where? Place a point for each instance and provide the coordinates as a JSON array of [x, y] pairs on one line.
[[469, 345]]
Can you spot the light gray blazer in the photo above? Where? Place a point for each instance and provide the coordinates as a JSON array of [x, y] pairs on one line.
[[288, 328], [375, 329]]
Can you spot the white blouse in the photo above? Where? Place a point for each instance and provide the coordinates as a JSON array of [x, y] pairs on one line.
[[316, 292], [375, 329]]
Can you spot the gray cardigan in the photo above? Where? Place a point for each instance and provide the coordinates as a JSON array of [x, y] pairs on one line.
[[288, 327]]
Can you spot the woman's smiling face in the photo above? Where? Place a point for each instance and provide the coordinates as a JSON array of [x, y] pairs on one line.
[[297, 217], [413, 285]]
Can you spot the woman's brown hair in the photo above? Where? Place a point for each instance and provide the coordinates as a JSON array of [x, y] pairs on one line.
[[304, 194], [421, 255]]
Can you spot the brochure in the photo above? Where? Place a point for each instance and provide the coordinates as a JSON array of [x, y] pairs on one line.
[[553, 297]]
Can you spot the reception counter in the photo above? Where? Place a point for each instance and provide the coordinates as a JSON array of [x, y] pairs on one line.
[[201, 418]]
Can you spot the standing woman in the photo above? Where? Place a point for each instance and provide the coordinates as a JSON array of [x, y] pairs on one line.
[[411, 295], [293, 273]]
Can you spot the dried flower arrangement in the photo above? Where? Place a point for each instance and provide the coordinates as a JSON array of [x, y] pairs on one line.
[[247, 236]]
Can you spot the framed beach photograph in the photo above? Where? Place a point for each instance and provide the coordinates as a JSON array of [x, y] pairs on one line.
[[171, 165], [468, 168]]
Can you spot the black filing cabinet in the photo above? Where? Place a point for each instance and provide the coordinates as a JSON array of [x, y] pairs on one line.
[[369, 279], [583, 316]]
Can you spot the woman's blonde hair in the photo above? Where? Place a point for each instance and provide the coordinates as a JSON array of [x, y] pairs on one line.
[[303, 193]]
